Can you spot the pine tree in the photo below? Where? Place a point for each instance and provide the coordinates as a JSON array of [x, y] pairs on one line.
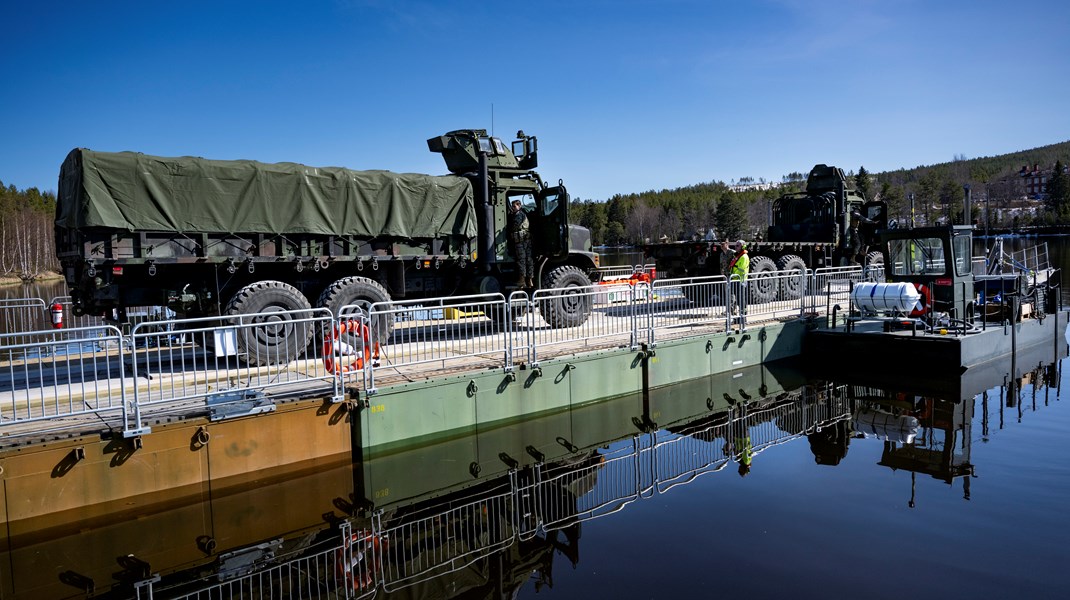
[[862, 183], [731, 217], [1059, 194]]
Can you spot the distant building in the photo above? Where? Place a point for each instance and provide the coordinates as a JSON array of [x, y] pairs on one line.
[[1035, 180], [743, 187]]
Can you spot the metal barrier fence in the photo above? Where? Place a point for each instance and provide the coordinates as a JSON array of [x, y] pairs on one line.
[[218, 365], [556, 320], [832, 286], [444, 332], [623, 272], [679, 305], [277, 351], [22, 315], [52, 375]]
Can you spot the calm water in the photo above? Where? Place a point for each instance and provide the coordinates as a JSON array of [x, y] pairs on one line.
[[971, 508]]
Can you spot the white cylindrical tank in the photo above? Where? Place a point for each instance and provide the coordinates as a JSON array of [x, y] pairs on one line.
[[885, 297]]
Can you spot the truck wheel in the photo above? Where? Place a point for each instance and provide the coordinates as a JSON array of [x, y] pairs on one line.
[[763, 288], [277, 337], [874, 267], [571, 304], [359, 290], [792, 286]]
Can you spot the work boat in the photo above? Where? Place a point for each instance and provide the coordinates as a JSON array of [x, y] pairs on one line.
[[938, 309]]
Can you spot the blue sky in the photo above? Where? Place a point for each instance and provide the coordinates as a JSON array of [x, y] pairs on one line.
[[624, 96]]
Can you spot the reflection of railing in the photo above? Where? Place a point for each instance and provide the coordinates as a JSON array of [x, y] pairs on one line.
[[411, 544], [220, 364], [445, 537]]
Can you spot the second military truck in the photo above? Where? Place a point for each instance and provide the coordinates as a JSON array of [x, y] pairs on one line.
[[829, 224], [210, 237]]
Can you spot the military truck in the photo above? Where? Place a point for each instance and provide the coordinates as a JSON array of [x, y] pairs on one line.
[[829, 224], [210, 237]]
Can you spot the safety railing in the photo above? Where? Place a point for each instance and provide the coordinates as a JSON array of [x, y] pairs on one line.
[[207, 364], [52, 375], [575, 318], [22, 315], [832, 287], [473, 331], [776, 294], [623, 272], [220, 361], [678, 306]]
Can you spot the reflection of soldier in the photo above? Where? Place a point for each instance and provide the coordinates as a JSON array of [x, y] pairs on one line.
[[738, 445], [521, 237]]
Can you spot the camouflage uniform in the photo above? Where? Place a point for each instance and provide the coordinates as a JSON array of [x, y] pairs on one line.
[[522, 247]]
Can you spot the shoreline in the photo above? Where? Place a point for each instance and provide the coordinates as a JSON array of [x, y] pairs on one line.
[[11, 280]]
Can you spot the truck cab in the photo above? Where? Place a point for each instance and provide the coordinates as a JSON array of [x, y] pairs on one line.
[[499, 175]]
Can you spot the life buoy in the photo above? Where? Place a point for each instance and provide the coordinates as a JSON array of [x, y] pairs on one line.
[[354, 565], [357, 358], [926, 300]]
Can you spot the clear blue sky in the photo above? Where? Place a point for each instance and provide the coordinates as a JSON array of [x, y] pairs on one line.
[[624, 96]]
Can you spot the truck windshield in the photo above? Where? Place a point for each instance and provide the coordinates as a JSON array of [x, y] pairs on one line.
[[492, 146], [917, 256]]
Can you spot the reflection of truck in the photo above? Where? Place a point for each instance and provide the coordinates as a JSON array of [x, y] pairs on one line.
[[826, 225], [206, 237]]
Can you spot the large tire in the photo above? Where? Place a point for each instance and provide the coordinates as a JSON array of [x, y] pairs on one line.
[[791, 285], [571, 306], [763, 288], [873, 270], [277, 337], [357, 290]]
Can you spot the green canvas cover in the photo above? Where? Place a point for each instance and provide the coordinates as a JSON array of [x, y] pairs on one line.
[[136, 192]]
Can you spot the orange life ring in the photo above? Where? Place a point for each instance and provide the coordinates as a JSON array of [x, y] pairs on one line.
[[357, 363], [926, 300], [353, 563]]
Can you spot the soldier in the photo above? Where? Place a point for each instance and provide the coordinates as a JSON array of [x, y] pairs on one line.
[[521, 236]]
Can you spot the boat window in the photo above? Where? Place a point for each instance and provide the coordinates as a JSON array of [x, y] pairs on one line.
[[962, 247], [917, 256]]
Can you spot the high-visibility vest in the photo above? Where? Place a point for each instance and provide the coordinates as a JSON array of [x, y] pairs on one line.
[[740, 265]]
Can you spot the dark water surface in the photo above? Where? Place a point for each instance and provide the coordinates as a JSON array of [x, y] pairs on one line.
[[972, 507]]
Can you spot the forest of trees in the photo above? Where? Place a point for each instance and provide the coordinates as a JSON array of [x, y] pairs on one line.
[[27, 249]]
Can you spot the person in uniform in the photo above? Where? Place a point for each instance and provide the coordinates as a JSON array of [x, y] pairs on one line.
[[521, 237]]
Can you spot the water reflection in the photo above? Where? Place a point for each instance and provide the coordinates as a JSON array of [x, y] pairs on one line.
[[497, 512]]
